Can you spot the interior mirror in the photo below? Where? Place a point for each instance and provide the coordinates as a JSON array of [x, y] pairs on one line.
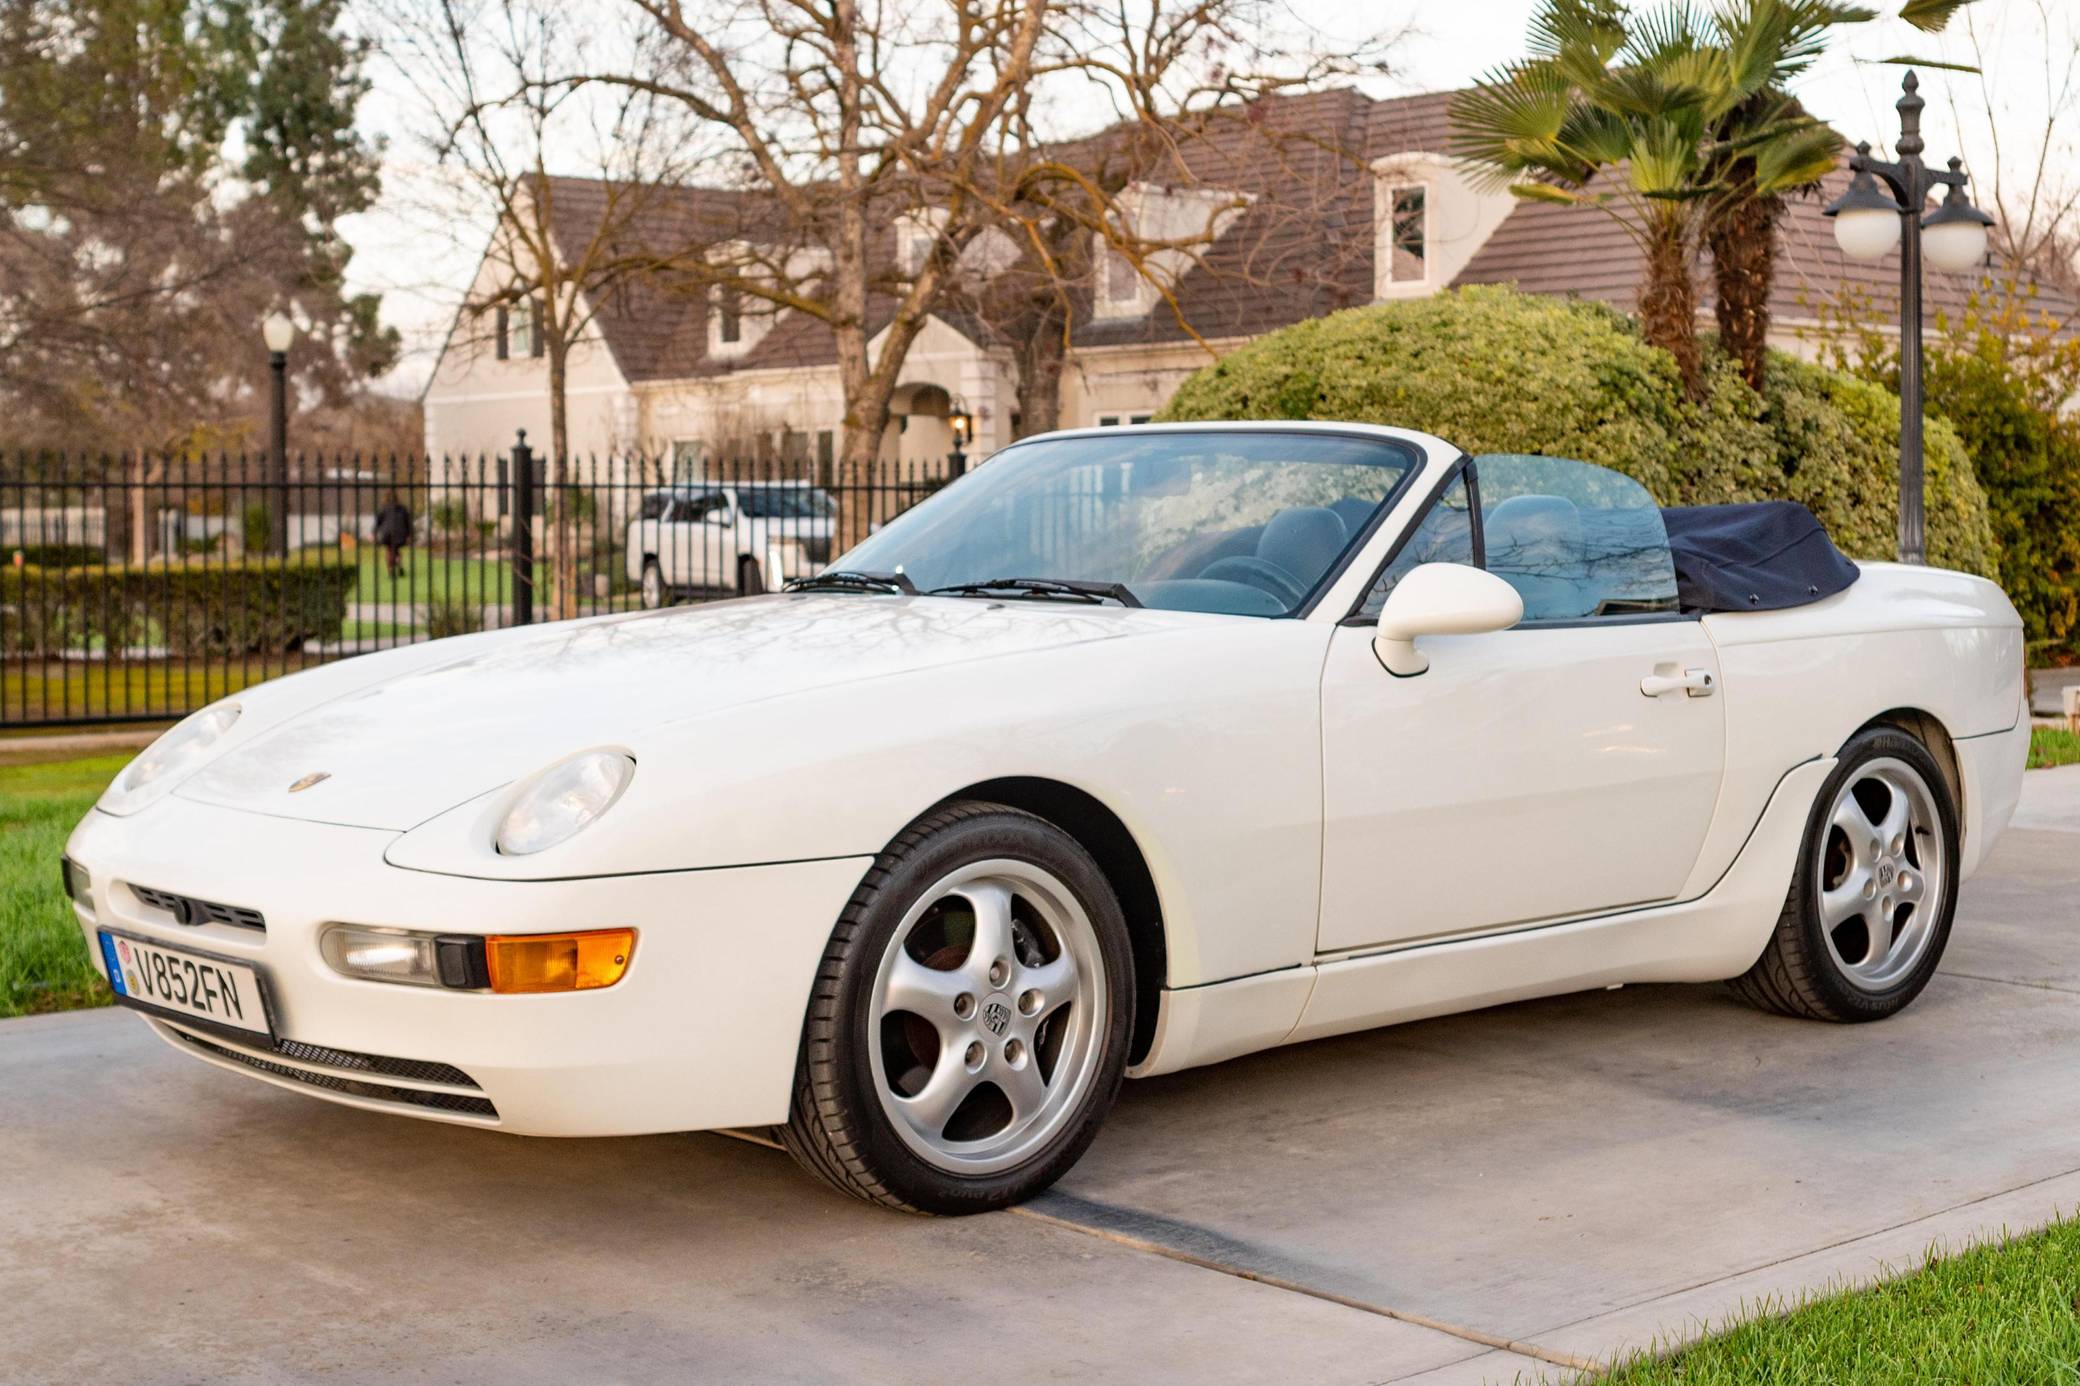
[[1441, 599]]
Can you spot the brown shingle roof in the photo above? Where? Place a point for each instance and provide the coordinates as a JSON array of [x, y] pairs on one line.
[[1582, 252], [1304, 247]]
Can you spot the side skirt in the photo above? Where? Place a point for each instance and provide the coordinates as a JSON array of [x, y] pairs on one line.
[[1716, 936]]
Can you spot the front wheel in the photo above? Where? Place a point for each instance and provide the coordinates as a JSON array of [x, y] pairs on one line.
[[1871, 902], [968, 1029], [751, 578]]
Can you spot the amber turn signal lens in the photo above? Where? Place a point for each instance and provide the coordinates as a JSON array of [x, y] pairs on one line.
[[558, 962]]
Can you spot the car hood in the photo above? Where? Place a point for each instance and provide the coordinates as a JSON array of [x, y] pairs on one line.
[[395, 752]]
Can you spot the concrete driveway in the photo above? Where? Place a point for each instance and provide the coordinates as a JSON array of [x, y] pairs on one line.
[[1478, 1198]]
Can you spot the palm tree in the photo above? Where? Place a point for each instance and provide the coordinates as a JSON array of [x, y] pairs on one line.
[[1607, 112], [1635, 114], [1763, 146], [1680, 125]]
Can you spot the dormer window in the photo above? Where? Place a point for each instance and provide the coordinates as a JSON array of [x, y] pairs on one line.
[[1429, 217], [734, 327], [1404, 233], [1188, 219]]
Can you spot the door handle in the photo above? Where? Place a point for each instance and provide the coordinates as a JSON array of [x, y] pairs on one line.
[[1698, 683]]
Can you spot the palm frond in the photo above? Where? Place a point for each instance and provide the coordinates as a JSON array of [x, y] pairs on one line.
[[1908, 60], [1549, 192], [1930, 16], [1664, 34], [1596, 137], [1665, 160], [1511, 122], [1770, 42], [1562, 26], [1796, 159]]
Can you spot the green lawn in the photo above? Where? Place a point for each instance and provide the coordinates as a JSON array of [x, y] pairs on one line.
[[425, 577], [1994, 1314], [2049, 746], [146, 690], [43, 958]]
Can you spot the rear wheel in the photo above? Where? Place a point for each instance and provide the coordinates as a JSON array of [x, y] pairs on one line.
[[654, 593], [1871, 903], [968, 1028]]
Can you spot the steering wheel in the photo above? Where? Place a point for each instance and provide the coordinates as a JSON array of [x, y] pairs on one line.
[[1260, 573]]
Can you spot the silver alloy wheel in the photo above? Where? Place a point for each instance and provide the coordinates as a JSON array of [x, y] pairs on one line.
[[995, 971], [1881, 874], [653, 586]]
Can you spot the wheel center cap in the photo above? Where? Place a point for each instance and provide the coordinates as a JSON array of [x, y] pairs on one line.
[[996, 1014], [1886, 872]]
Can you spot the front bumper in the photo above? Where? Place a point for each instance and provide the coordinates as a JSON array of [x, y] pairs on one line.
[[701, 1032]]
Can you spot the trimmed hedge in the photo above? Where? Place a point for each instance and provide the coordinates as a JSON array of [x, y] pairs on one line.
[[1495, 370], [2027, 451], [255, 606], [57, 555]]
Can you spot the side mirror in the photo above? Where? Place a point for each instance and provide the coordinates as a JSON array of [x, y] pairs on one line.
[[1441, 599], [719, 517]]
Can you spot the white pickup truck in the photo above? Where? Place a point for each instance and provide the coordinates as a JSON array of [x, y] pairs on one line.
[[728, 538]]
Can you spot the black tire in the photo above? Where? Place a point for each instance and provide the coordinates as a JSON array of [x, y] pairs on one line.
[[654, 593], [751, 578], [837, 1128], [1798, 974]]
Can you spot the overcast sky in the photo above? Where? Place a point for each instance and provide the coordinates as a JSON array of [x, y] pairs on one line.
[[2028, 47]]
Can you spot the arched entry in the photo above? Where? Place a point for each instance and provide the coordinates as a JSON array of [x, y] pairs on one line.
[[920, 434]]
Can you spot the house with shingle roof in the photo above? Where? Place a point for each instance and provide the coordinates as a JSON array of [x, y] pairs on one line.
[[1369, 208]]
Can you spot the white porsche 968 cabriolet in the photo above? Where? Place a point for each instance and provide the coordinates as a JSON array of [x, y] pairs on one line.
[[1129, 751]]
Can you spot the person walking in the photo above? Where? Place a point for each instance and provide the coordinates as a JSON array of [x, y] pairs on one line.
[[393, 532]]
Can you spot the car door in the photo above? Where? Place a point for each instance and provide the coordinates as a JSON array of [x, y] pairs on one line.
[[690, 536], [646, 532], [1567, 766]]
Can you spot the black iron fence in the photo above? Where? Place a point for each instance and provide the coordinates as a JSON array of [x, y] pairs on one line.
[[142, 586]]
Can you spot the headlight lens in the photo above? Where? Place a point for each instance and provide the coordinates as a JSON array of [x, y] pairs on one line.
[[563, 800], [182, 748]]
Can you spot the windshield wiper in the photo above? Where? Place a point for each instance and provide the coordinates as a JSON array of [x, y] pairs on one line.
[[1042, 587], [847, 580]]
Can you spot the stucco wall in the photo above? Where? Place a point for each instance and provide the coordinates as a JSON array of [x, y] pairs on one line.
[[475, 402]]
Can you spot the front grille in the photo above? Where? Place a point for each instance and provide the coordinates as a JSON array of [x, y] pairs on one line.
[[421, 1070], [353, 1087], [185, 909]]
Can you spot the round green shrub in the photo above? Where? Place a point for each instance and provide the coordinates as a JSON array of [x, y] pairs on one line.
[[1494, 370]]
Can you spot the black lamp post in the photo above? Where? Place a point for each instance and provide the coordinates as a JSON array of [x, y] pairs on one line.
[[1868, 222], [963, 425], [278, 331]]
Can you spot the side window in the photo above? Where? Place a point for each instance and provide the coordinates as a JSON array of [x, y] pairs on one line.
[[1577, 541], [655, 504], [1444, 535]]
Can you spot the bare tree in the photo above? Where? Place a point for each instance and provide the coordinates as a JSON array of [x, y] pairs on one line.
[[2030, 187], [562, 174], [854, 122]]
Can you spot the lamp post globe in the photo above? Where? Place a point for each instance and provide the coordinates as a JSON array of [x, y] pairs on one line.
[[1867, 233], [278, 331], [1954, 234]]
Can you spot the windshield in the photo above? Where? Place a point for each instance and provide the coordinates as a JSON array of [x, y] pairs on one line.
[[1243, 523], [786, 503]]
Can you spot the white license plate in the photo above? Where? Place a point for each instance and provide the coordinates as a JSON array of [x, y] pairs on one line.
[[154, 977]]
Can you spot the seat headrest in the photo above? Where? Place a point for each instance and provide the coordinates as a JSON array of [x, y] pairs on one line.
[[1533, 523], [1304, 541]]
